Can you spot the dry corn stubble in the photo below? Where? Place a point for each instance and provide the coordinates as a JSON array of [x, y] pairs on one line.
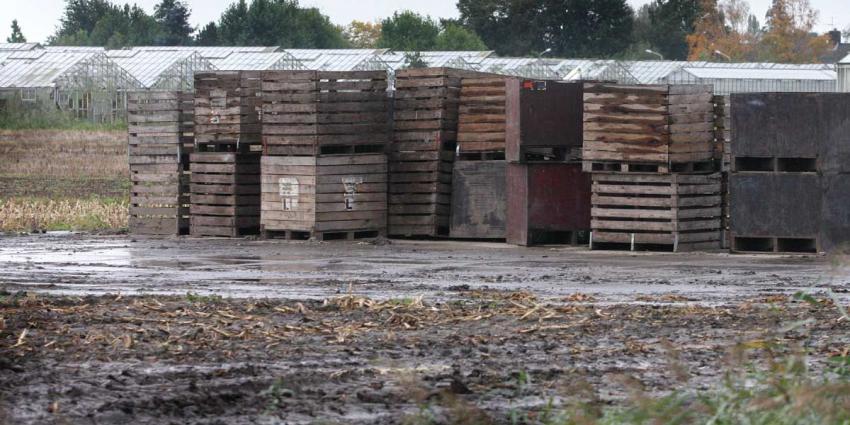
[[28, 214]]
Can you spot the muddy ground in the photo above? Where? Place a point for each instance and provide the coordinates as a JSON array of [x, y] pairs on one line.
[[114, 330]]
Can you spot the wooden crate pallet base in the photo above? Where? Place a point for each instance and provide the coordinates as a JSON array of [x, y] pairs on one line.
[[708, 166], [689, 247], [560, 237], [222, 232], [775, 244], [296, 235]]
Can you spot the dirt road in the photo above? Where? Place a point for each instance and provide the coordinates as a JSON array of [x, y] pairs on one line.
[[85, 265], [399, 332]]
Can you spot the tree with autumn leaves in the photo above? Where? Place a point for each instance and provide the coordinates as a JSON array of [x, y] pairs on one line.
[[725, 31]]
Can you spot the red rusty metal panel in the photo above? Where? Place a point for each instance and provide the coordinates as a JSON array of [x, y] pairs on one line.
[[542, 114], [546, 197]]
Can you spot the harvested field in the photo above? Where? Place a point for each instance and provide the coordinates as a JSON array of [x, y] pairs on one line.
[[116, 330], [63, 180]]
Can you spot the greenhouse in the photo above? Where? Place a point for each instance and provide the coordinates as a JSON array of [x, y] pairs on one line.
[[252, 61], [843, 70], [162, 69], [747, 80], [88, 85]]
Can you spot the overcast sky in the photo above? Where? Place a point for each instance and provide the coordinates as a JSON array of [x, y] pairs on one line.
[[39, 18]]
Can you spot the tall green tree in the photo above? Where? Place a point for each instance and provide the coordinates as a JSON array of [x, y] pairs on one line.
[[17, 36], [572, 28], [101, 23], [670, 22], [173, 17], [409, 31], [455, 37], [274, 22], [208, 35]]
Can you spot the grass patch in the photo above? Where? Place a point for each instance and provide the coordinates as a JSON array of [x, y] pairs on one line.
[[24, 214], [17, 116]]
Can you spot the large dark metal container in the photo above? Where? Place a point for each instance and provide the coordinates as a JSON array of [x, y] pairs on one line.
[[791, 132], [478, 200], [547, 202], [542, 114], [835, 214], [778, 212]]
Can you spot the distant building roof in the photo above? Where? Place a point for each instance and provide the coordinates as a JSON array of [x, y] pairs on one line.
[[761, 74]]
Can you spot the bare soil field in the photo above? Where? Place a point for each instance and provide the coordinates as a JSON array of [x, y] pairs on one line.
[[114, 330]]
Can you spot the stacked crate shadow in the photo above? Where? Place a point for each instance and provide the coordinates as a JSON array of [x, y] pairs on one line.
[[160, 141], [548, 195], [225, 189], [790, 180], [651, 151], [478, 204], [324, 168]]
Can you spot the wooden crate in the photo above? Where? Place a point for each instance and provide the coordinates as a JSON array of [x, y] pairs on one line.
[[481, 117], [160, 139], [324, 197], [652, 128], [423, 150], [478, 200], [225, 193], [315, 112], [228, 107], [679, 211]]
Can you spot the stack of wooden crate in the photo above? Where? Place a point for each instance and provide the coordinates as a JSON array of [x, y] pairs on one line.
[[225, 191], [651, 153], [160, 140], [324, 168], [423, 151], [478, 205], [548, 196]]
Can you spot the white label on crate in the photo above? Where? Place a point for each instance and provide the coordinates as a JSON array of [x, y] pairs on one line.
[[289, 190], [350, 184]]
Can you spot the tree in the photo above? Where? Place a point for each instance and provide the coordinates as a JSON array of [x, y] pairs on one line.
[[569, 27], [101, 23], [173, 16], [207, 36], [363, 35], [409, 31], [17, 36], [454, 37], [276, 22], [788, 35], [668, 23]]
